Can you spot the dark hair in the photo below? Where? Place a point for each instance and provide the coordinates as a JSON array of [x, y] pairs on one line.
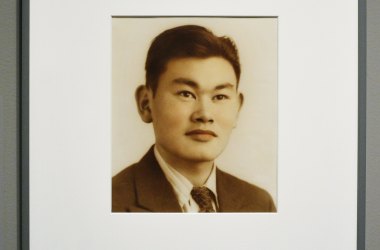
[[187, 41]]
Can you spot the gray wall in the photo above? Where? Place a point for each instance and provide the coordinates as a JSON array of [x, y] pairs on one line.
[[9, 139]]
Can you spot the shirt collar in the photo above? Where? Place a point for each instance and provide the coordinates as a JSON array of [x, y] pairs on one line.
[[181, 185]]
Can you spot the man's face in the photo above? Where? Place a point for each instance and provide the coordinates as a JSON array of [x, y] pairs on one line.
[[194, 109]]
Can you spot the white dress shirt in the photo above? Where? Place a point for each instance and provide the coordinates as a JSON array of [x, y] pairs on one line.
[[182, 186]]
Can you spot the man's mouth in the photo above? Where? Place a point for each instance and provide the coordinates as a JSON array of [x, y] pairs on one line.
[[201, 132], [201, 135]]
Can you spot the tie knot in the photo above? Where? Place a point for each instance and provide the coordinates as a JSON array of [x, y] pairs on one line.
[[203, 197]]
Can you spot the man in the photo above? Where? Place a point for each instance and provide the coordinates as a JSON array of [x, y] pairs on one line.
[[191, 96]]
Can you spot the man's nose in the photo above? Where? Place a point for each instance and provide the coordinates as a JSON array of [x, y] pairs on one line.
[[202, 112]]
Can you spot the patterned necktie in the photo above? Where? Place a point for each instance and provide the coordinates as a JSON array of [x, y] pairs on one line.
[[203, 197]]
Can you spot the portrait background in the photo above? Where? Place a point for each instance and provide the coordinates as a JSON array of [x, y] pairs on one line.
[[251, 153]]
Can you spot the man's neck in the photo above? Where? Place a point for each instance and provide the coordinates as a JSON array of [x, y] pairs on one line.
[[196, 172]]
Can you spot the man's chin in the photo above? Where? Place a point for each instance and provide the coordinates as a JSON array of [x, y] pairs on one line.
[[202, 156]]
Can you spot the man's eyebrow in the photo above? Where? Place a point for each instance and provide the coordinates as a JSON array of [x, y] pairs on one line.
[[186, 81], [225, 86], [194, 84]]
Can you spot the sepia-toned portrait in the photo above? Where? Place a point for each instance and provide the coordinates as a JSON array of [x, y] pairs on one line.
[[194, 114]]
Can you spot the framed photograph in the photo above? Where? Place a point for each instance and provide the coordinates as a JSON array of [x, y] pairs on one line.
[[147, 106]]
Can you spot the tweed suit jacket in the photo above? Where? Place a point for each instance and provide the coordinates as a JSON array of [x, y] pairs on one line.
[[143, 187]]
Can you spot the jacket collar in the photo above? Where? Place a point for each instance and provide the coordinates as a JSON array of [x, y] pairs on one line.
[[154, 192]]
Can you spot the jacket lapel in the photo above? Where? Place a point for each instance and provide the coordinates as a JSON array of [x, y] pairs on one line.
[[154, 192], [229, 200]]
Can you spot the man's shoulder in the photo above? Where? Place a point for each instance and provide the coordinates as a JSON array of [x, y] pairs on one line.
[[123, 189], [125, 176], [237, 183], [142, 187], [251, 196]]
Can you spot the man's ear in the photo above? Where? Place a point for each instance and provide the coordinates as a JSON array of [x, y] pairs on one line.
[[143, 105], [241, 100]]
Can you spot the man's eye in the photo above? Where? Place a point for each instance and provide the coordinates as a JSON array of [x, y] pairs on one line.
[[220, 97], [186, 94]]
